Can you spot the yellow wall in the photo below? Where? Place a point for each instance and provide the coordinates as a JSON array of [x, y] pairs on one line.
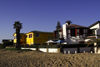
[[43, 37], [29, 41], [22, 39]]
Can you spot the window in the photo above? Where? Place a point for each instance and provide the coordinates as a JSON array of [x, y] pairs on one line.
[[30, 35], [50, 37], [72, 32], [26, 36], [37, 34], [81, 31]]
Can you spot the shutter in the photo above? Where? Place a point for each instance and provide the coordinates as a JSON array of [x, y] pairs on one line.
[[75, 32], [79, 31]]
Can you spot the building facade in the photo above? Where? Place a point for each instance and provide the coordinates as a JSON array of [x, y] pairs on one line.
[[38, 37], [22, 38], [73, 33]]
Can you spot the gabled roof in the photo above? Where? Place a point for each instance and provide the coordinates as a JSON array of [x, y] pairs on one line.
[[39, 32], [94, 24], [72, 26]]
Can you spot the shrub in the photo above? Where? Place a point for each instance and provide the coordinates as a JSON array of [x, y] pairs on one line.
[[57, 46], [8, 43], [12, 49], [2, 46], [30, 46]]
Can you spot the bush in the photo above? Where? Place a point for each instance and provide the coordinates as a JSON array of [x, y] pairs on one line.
[[30, 46], [8, 43], [2, 46], [12, 49], [57, 46]]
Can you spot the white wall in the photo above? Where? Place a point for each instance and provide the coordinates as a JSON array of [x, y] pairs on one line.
[[29, 48], [86, 49], [53, 50], [72, 50], [97, 31], [64, 32], [32, 48], [95, 26], [86, 40], [99, 50], [43, 49]]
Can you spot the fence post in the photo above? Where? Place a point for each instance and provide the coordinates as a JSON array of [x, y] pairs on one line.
[[68, 52], [75, 52], [64, 52], [91, 52], [84, 51]]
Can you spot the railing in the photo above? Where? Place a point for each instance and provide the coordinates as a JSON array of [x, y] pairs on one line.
[[91, 35]]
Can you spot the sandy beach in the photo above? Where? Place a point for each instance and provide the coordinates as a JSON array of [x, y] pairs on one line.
[[39, 59]]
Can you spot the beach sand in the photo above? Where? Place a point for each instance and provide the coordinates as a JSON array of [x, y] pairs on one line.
[[39, 59]]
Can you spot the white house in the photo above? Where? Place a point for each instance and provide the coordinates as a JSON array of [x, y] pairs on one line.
[[73, 33], [95, 30]]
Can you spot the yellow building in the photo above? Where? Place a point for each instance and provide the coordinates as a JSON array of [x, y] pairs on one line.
[[37, 37], [22, 39]]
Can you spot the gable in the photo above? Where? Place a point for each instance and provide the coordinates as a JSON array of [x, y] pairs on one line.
[[95, 25]]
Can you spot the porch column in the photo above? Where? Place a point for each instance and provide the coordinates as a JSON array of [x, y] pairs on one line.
[[64, 31]]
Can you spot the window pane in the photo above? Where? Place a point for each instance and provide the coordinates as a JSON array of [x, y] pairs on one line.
[[37, 35], [30, 35]]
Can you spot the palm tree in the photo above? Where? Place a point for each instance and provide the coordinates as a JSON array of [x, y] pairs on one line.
[[69, 22], [94, 40], [17, 26]]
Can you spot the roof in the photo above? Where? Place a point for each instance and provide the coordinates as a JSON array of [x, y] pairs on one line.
[[94, 24], [4, 40], [39, 32], [75, 26], [72, 26]]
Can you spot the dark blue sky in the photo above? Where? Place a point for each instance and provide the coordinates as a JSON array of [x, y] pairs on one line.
[[43, 15]]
